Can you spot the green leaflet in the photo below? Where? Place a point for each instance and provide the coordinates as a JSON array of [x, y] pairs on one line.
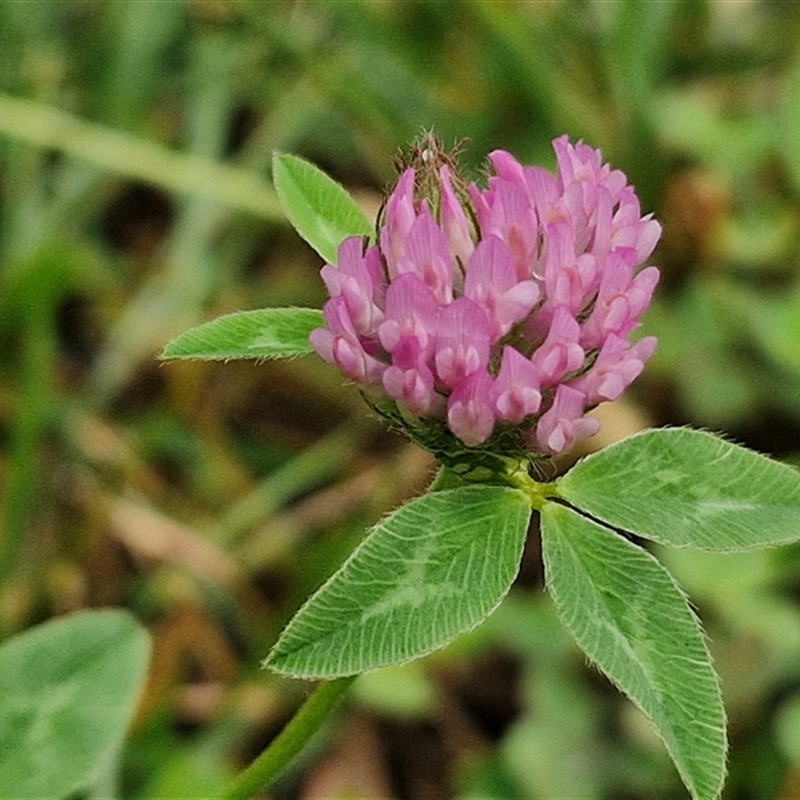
[[431, 570], [631, 618], [688, 488], [68, 689], [320, 210], [262, 334]]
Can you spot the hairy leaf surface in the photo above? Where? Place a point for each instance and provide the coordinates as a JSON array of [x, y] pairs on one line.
[[688, 488], [431, 570], [631, 618], [262, 334], [320, 210]]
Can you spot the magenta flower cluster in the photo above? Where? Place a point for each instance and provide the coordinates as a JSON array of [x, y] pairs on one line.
[[482, 310]]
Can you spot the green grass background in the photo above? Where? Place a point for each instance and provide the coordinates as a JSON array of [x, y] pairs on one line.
[[135, 201]]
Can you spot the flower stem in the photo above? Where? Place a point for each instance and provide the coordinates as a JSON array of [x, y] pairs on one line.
[[290, 741]]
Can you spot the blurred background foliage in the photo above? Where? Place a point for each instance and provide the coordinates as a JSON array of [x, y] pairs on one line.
[[135, 201]]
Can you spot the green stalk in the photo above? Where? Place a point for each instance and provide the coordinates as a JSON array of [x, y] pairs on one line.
[[290, 741], [45, 126], [39, 291]]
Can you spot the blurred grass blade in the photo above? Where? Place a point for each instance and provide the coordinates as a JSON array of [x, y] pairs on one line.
[[44, 126], [141, 35], [305, 471], [265, 333], [788, 116], [174, 298], [322, 212], [634, 55], [33, 294]]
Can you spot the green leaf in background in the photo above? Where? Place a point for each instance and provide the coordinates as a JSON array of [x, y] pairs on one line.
[[320, 210], [68, 689], [262, 334], [631, 618], [431, 570], [688, 488]]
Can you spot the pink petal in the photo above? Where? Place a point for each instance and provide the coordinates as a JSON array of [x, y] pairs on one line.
[[339, 345], [560, 352], [470, 415], [354, 362], [507, 167], [410, 380], [512, 219], [455, 225], [542, 191], [648, 235], [462, 341], [399, 215], [515, 392], [563, 423], [618, 364], [427, 255], [359, 279], [411, 310], [492, 283]]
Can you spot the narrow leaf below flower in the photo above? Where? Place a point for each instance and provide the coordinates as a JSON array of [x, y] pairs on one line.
[[263, 334]]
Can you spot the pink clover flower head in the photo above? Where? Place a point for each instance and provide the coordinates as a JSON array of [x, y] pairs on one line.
[[495, 318]]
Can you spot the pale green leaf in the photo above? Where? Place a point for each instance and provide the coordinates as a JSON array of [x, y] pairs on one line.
[[262, 334], [431, 570], [631, 618], [320, 210], [68, 689], [688, 488]]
